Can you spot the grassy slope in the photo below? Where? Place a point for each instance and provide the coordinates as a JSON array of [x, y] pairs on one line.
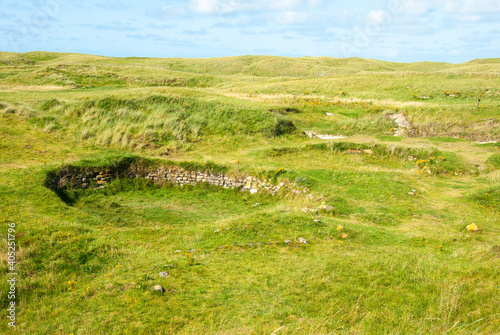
[[408, 264]]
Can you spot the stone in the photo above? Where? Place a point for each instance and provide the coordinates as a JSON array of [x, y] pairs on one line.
[[253, 191], [472, 227], [317, 221], [368, 151], [158, 288], [216, 230], [177, 251], [327, 208], [288, 241], [163, 274], [302, 240]]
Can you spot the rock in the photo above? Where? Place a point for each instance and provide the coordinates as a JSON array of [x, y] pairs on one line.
[[288, 241], [368, 151], [216, 230], [163, 274], [327, 208], [472, 227], [317, 221], [177, 251], [330, 137], [311, 134], [99, 187], [412, 192], [253, 191], [158, 288], [302, 240]]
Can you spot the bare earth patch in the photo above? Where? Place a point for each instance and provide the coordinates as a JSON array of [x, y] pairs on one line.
[[256, 96]]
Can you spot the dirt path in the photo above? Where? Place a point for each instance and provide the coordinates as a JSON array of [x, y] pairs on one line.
[[262, 97]]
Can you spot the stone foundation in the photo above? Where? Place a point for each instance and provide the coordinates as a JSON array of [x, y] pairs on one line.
[[98, 179]]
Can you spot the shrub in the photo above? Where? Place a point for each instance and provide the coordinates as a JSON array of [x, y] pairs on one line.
[[282, 127], [49, 104], [114, 103]]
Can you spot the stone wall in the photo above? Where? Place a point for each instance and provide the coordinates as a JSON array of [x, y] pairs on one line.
[[99, 178]]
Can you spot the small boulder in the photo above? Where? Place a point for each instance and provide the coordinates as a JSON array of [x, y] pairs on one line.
[[472, 227], [158, 288], [163, 274]]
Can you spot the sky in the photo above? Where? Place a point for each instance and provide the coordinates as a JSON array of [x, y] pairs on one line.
[[453, 31]]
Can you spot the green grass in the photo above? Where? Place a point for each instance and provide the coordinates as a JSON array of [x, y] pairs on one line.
[[494, 161], [394, 256]]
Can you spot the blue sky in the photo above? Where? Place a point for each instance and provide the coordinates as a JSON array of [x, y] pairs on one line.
[[396, 30]]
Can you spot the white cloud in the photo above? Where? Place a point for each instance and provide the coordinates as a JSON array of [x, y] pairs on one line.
[[379, 16], [290, 17], [282, 4], [214, 6], [473, 10], [229, 6], [315, 3], [411, 7], [469, 7]]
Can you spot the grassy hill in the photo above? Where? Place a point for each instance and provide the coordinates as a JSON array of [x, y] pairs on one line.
[[383, 168]]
